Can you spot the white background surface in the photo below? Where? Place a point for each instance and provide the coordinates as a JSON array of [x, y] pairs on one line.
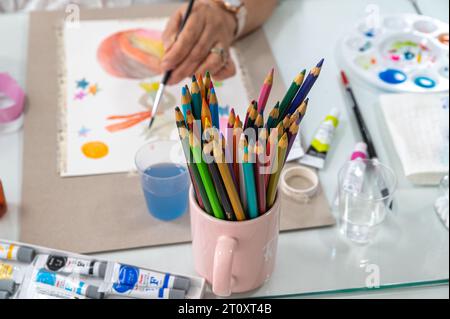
[[301, 31]]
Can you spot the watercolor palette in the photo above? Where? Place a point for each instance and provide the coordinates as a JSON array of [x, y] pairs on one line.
[[404, 53]]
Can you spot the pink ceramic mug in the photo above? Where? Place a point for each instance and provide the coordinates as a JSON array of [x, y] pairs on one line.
[[234, 257]]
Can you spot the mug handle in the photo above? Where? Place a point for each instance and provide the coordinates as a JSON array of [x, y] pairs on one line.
[[223, 264]]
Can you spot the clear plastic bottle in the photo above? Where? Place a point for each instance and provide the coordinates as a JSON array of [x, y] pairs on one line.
[[354, 180]]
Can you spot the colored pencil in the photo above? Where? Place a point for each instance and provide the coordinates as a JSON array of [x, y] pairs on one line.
[[302, 109], [214, 108], [292, 135], [206, 177], [275, 177], [249, 110], [206, 114], [196, 99], [286, 122], [250, 187], [190, 120], [208, 83], [217, 180], [290, 95], [272, 153], [242, 189], [230, 186], [185, 101], [179, 118], [197, 183], [259, 152], [306, 87], [237, 133], [273, 116], [231, 119], [201, 86], [265, 92], [252, 116]]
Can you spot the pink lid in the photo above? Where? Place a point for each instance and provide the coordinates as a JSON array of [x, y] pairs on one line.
[[360, 151]]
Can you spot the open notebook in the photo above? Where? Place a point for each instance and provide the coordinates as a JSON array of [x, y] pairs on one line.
[[419, 127]]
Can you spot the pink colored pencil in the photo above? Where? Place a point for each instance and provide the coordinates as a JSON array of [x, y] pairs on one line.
[[265, 92]]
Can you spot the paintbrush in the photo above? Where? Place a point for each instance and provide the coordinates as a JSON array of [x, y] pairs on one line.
[[168, 74]]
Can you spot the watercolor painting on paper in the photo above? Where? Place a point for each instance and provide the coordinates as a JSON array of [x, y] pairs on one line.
[[112, 73]]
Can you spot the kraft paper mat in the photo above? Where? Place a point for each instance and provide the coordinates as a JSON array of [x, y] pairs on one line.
[[105, 213]]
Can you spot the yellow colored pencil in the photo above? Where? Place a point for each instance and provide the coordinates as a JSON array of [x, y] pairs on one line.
[[275, 177], [229, 183]]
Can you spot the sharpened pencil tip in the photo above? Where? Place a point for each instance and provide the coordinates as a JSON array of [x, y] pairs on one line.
[[319, 65], [213, 91], [303, 72], [183, 90], [194, 78]]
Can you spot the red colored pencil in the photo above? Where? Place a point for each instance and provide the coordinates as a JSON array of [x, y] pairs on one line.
[[265, 92]]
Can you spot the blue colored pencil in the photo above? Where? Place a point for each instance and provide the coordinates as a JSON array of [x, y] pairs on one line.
[[185, 102], [250, 187], [196, 99], [214, 108], [305, 88]]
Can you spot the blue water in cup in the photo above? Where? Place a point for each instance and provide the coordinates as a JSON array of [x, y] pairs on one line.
[[165, 189], [164, 178]]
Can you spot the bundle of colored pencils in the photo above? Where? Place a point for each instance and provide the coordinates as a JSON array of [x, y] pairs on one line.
[[235, 177]]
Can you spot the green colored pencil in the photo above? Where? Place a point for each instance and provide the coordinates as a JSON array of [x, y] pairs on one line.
[[290, 95], [199, 188], [206, 177]]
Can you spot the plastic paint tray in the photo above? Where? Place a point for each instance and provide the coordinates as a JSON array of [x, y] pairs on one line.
[[404, 53]]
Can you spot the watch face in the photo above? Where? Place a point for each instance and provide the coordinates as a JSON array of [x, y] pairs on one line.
[[234, 3]]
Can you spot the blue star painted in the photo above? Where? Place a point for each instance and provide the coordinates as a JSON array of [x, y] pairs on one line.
[[83, 132], [82, 84]]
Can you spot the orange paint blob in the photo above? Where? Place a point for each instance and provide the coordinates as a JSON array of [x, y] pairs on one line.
[[95, 150]]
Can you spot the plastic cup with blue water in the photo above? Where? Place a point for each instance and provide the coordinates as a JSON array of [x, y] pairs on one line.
[[164, 178]]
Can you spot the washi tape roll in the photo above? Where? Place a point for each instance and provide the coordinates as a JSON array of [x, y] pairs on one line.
[[12, 100], [299, 191]]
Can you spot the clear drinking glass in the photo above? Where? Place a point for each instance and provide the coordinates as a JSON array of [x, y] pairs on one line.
[[365, 191], [441, 205], [164, 178]]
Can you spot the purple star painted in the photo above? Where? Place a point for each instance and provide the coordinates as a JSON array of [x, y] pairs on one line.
[[80, 95]]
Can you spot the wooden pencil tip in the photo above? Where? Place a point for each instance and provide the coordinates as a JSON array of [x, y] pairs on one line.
[[319, 65]]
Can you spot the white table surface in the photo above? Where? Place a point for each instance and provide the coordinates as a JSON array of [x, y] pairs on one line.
[[313, 260]]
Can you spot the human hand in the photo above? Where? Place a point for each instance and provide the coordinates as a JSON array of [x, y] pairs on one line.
[[203, 45]]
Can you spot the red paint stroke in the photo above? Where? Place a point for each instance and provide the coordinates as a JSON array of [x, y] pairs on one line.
[[130, 120]]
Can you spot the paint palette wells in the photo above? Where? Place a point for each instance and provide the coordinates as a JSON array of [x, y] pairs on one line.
[[404, 53]]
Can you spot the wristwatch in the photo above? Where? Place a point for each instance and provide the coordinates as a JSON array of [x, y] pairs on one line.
[[239, 10]]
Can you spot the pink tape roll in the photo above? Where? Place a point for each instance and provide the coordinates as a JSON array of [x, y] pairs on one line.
[[10, 88]]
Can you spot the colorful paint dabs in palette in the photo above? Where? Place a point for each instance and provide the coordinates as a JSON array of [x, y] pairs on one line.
[[401, 53]]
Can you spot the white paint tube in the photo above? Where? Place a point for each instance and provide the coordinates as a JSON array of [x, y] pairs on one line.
[[17, 253], [318, 150], [69, 265], [66, 283], [125, 275]]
